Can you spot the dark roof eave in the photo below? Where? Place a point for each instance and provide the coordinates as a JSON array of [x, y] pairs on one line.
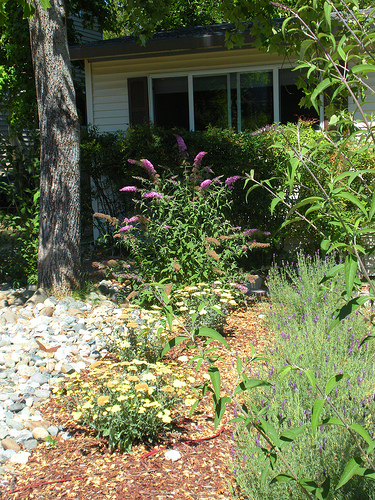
[[126, 47]]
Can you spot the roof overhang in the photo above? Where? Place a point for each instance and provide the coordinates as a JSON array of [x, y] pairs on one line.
[[170, 42]]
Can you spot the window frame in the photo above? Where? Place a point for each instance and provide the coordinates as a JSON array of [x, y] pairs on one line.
[[221, 72]]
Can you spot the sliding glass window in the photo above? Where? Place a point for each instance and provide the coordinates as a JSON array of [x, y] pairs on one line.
[[171, 103]]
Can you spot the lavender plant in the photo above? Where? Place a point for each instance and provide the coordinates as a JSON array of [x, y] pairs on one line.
[[300, 316]]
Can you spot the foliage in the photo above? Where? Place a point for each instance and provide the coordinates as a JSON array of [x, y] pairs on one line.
[[20, 213], [179, 233], [143, 339], [300, 316], [125, 402]]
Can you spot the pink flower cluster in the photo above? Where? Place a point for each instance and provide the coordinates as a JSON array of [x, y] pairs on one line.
[[232, 180], [181, 144], [126, 228], [153, 194], [148, 166], [132, 219], [129, 188], [205, 183], [198, 158]]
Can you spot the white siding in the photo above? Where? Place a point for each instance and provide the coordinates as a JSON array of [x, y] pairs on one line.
[[109, 97], [369, 105]]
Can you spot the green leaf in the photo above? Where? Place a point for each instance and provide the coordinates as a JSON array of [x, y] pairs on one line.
[[172, 343], [317, 410], [290, 435], [213, 334], [332, 382], [353, 199], [327, 13], [347, 309], [362, 432], [196, 403], [265, 469], [239, 365], [215, 379], [372, 208], [351, 468], [250, 384], [219, 408], [350, 268], [282, 478], [363, 68], [284, 372], [331, 421], [310, 375], [318, 90], [45, 4]]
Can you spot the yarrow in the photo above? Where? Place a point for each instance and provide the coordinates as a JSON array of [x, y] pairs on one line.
[[129, 188], [153, 194], [232, 180], [205, 183]]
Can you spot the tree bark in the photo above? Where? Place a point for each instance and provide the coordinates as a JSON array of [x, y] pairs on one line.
[[59, 233]]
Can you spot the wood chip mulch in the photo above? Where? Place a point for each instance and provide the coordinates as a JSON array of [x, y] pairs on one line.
[[82, 467]]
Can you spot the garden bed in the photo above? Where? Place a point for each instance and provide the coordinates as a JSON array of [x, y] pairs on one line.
[[83, 467]]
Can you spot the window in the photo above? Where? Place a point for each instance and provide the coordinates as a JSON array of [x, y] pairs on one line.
[[290, 97], [171, 103], [241, 100]]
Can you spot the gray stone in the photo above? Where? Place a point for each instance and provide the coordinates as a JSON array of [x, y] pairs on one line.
[[30, 444], [38, 297], [53, 430], [23, 436], [14, 424], [10, 316], [38, 378], [16, 407]]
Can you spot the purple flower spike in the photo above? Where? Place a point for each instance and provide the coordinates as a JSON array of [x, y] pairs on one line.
[[153, 194], [148, 166], [232, 180], [129, 188], [205, 183], [181, 144], [134, 162], [199, 157], [132, 219], [126, 228]]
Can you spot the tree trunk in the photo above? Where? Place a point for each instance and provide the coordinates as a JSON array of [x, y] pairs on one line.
[[59, 234]]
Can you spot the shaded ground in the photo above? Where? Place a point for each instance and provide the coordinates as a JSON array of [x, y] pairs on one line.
[[83, 468]]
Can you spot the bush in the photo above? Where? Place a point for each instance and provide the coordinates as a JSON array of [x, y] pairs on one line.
[[180, 233], [300, 317], [19, 216]]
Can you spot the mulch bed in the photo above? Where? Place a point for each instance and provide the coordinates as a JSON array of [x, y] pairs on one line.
[[82, 467]]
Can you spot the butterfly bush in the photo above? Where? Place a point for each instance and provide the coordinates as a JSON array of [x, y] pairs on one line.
[[180, 232]]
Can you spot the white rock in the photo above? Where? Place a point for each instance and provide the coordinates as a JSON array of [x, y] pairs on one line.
[[173, 455], [21, 457], [40, 433]]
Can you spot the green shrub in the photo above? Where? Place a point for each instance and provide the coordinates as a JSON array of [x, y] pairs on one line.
[[300, 318], [180, 233]]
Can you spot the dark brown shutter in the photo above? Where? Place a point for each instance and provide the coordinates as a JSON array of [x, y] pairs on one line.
[[138, 100]]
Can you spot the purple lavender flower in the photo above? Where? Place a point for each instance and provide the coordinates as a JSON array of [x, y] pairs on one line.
[[181, 144], [199, 157], [153, 194], [205, 183], [129, 188], [134, 162], [232, 180], [148, 166], [126, 228]]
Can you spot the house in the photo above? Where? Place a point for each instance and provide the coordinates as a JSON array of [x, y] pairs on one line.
[[187, 78]]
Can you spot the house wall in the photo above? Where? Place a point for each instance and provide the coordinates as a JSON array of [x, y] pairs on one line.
[[106, 81], [369, 106]]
